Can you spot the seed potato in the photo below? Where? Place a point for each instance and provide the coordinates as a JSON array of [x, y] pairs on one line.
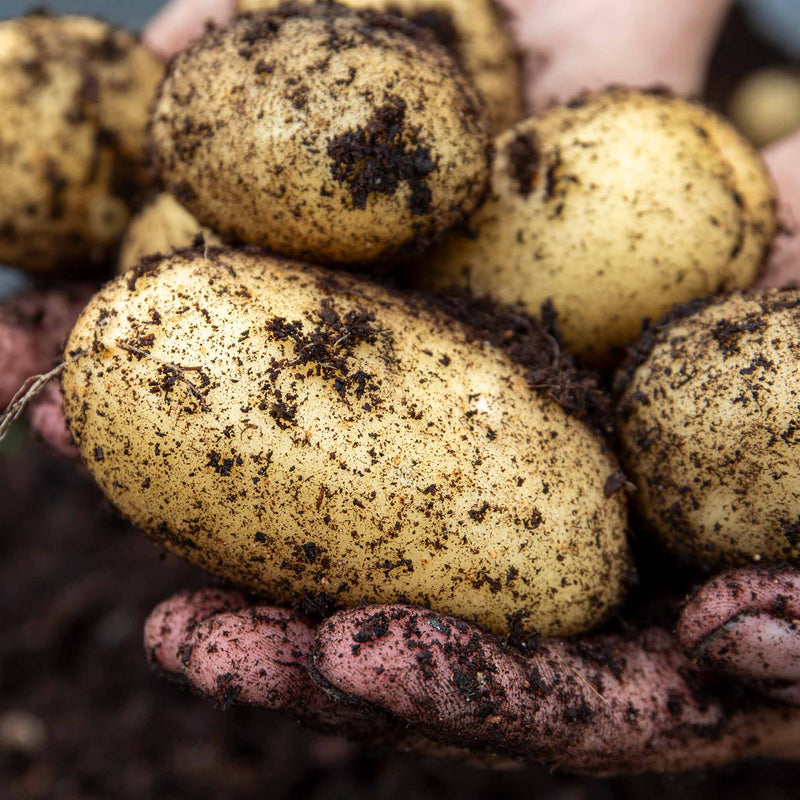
[[74, 105], [473, 30], [305, 435], [616, 208], [162, 226], [322, 134], [709, 429]]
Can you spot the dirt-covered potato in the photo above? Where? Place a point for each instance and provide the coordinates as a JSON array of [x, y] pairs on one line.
[[709, 427], [473, 30], [162, 226], [74, 102], [615, 208], [310, 435], [322, 134]]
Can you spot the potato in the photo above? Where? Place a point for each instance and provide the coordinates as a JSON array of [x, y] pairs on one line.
[[74, 105], [305, 434], [321, 134], [766, 105], [708, 424], [616, 208], [162, 226], [473, 30]]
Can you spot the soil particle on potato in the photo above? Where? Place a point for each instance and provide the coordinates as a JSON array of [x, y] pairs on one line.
[[615, 482], [536, 347], [603, 653], [331, 346], [727, 333], [524, 155], [378, 158]]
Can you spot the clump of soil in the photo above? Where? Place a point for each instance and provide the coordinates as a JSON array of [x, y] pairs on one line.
[[537, 347]]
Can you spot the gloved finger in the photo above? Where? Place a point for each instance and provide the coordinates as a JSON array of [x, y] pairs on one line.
[[604, 705], [258, 656], [46, 416], [236, 653], [747, 622], [33, 326], [182, 21], [170, 623]]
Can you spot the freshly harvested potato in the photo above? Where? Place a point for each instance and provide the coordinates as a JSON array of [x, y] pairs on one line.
[[162, 226], [74, 105], [320, 134], [708, 424], [473, 30], [307, 434], [615, 208]]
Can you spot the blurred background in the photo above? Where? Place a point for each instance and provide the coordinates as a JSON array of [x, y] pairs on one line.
[[128, 12], [81, 715]]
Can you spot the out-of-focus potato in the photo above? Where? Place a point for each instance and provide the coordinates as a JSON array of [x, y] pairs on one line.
[[766, 106], [74, 102], [321, 134], [709, 428], [473, 30], [305, 434], [162, 226], [615, 208]]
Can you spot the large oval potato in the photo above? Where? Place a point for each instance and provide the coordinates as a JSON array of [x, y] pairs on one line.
[[74, 103], [473, 30], [615, 209], [710, 428], [162, 226], [303, 434], [322, 135]]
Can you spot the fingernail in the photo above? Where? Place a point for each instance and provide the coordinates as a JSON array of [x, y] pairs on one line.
[[754, 645]]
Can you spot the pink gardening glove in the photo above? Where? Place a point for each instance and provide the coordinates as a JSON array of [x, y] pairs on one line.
[[423, 682], [33, 328]]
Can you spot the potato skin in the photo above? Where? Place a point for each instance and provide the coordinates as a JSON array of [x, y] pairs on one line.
[[708, 426], [307, 435], [616, 208], [473, 30], [322, 135], [162, 226], [74, 104]]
